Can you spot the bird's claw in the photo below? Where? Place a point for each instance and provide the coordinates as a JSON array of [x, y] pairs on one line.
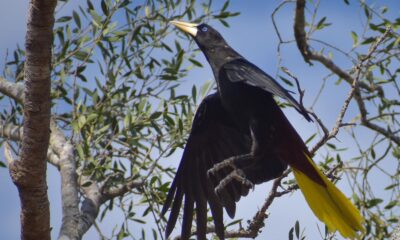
[[237, 175], [217, 167]]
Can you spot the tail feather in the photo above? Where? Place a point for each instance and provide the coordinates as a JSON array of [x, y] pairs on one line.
[[329, 204]]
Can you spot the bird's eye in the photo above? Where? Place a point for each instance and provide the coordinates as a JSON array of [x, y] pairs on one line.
[[204, 29]]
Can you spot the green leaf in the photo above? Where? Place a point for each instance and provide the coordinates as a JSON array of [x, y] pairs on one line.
[[96, 18], [2, 164], [141, 105], [196, 63], [373, 202], [286, 81], [366, 11], [147, 11], [79, 149], [331, 145], [194, 93], [155, 115], [168, 77], [355, 38], [233, 222], [391, 204], [373, 155], [225, 23], [368, 40], [310, 138], [226, 4], [81, 121], [391, 186], [81, 55], [291, 234], [205, 88], [76, 19], [92, 117], [124, 3], [90, 5], [104, 129], [321, 23], [104, 7], [87, 184], [64, 19]]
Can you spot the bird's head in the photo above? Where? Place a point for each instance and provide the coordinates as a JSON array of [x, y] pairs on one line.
[[206, 37]]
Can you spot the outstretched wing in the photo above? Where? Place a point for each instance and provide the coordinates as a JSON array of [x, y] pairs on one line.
[[213, 139], [241, 70]]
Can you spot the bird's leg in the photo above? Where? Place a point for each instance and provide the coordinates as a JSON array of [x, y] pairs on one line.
[[235, 162]]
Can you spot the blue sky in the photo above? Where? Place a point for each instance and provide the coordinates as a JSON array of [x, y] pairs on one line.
[[252, 35]]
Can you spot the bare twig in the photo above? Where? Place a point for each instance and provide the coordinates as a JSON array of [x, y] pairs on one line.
[[300, 91], [121, 189], [354, 89]]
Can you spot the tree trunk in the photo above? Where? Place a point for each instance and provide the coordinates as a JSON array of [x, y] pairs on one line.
[[29, 172]]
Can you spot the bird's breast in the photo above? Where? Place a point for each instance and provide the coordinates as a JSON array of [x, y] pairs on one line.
[[241, 99]]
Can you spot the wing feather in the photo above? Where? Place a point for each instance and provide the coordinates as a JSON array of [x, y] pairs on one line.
[[213, 138], [241, 70], [187, 217]]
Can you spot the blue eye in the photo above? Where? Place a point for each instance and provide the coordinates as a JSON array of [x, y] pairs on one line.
[[204, 29]]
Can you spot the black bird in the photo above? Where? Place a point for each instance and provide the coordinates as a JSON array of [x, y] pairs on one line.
[[240, 137]]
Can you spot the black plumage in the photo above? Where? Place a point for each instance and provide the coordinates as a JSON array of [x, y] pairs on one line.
[[239, 137]]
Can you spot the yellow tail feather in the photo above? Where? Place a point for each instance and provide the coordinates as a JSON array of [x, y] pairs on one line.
[[329, 204]]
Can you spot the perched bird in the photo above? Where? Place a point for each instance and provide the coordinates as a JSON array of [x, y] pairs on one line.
[[240, 137]]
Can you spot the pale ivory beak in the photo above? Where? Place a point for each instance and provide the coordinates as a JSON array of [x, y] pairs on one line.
[[190, 28]]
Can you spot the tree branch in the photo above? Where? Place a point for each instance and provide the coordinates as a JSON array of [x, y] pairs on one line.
[[13, 90], [308, 54], [301, 40], [11, 131], [15, 133], [121, 189], [8, 153], [364, 121], [90, 206], [69, 185], [95, 196], [75, 222]]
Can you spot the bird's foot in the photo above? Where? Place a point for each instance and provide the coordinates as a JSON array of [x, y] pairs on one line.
[[237, 175], [230, 162]]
